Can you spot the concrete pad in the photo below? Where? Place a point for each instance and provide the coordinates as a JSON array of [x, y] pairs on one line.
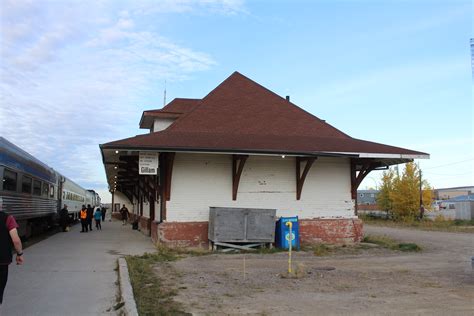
[[72, 273]]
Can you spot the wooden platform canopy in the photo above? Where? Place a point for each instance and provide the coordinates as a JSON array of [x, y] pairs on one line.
[[239, 118]]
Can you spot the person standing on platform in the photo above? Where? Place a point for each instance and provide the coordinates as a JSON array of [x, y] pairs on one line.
[[103, 211], [83, 215], [98, 217], [90, 214], [124, 212], [9, 239], [64, 218]]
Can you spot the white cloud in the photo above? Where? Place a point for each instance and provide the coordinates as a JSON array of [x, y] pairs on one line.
[[184, 6], [71, 74]]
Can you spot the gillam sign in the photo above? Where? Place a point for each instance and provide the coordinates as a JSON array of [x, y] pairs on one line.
[[148, 163]]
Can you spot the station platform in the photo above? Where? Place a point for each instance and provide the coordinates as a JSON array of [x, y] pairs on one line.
[[72, 273]]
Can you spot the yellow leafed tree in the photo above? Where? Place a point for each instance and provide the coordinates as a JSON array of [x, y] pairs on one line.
[[384, 199], [400, 194]]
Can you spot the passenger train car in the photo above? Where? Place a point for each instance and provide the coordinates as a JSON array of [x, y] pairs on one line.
[[33, 192]]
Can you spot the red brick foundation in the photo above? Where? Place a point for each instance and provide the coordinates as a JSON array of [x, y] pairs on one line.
[[144, 223], [194, 234], [175, 234], [117, 215], [330, 230]]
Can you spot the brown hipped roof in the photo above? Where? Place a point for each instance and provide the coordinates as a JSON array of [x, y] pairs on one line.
[[242, 116]]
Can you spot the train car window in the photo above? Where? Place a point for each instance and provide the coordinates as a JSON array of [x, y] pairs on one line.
[[51, 191], [36, 187], [26, 184], [45, 189], [9, 180]]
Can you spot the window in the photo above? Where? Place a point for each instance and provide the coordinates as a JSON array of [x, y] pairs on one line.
[[51, 191], [452, 207], [45, 189], [9, 180], [372, 195], [36, 187], [26, 184]]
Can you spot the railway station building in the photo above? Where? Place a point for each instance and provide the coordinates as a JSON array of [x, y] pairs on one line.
[[243, 146]]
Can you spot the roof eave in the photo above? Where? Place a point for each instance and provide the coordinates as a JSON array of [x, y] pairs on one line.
[[391, 156], [228, 151]]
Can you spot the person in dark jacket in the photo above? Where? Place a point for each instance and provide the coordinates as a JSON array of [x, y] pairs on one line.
[[64, 218], [124, 212], [90, 215], [103, 210], [9, 239]]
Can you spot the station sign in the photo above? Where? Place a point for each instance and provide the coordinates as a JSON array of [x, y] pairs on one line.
[[148, 163]]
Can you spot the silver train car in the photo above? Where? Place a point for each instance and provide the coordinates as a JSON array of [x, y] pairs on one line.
[[33, 192]]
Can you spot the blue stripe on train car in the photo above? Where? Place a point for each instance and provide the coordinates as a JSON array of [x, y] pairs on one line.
[[15, 157]]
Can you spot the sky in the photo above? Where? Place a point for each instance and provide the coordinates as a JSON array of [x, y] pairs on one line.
[[76, 74]]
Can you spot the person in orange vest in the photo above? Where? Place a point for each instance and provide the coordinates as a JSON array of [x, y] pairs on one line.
[[83, 215]]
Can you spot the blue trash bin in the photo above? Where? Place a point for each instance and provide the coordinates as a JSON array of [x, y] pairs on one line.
[[282, 233]]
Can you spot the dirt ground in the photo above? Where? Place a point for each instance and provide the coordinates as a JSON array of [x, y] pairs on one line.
[[437, 281]]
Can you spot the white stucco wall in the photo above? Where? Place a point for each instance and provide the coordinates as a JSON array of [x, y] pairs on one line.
[[146, 209], [202, 180], [162, 124]]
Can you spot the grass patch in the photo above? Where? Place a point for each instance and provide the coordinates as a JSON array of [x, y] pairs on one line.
[[464, 226], [389, 243], [265, 250], [151, 296], [409, 247], [321, 250]]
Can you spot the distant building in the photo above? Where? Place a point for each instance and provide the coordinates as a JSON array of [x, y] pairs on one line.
[[460, 207], [367, 197], [449, 193]]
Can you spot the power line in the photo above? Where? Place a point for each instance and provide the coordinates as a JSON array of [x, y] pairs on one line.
[[447, 175], [449, 164]]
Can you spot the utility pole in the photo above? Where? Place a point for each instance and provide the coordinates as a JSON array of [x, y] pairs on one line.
[[422, 209]]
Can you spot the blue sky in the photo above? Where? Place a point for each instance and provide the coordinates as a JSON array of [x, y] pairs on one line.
[[75, 74]]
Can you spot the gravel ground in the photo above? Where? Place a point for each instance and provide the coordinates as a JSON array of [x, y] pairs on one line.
[[437, 281]]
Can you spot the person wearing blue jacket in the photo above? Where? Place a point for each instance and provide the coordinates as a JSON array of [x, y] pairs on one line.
[[98, 217]]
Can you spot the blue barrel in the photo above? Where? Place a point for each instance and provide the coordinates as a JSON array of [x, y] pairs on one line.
[[282, 233]]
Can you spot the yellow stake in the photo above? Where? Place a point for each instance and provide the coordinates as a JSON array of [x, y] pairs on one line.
[[290, 242]]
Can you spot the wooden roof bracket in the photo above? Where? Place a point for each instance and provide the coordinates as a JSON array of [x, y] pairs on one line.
[[238, 163], [356, 179], [300, 178], [169, 161], [162, 186]]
